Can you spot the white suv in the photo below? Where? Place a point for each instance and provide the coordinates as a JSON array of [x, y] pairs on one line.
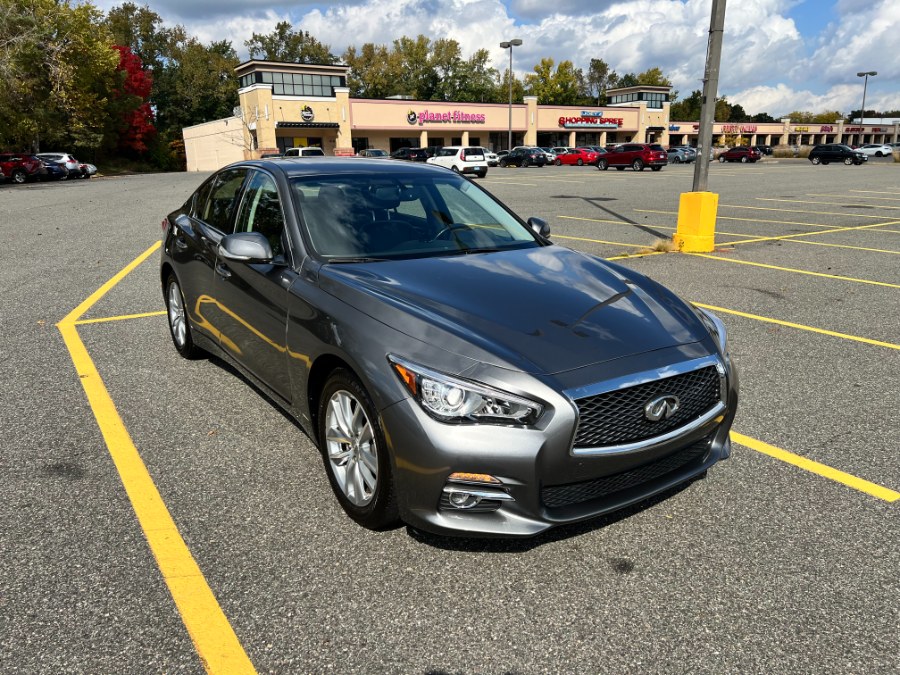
[[462, 159], [304, 152]]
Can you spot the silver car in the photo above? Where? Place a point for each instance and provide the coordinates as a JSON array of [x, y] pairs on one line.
[[457, 370]]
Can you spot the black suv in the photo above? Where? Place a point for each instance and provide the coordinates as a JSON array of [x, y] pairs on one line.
[[524, 157], [836, 152], [410, 154]]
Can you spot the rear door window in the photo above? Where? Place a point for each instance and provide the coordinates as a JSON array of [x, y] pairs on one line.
[[219, 209]]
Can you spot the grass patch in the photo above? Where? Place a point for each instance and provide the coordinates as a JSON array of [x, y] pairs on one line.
[[659, 246]]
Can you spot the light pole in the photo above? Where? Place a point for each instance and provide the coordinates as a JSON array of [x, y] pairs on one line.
[[862, 111], [509, 45]]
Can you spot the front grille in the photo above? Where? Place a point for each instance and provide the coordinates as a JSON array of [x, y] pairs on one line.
[[575, 493], [617, 417]]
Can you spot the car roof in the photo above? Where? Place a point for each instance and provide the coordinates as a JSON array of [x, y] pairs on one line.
[[336, 166]]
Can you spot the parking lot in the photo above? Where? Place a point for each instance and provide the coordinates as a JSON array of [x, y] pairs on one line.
[[784, 559]]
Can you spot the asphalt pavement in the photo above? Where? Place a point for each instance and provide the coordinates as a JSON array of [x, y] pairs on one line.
[[784, 559]]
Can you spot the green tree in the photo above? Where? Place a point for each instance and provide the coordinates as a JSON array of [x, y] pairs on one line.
[[562, 87], [687, 110], [417, 77], [57, 69], [762, 118], [372, 71], [140, 28], [502, 88], [600, 77], [653, 77], [288, 45]]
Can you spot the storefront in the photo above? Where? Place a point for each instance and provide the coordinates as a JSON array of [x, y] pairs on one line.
[[285, 105]]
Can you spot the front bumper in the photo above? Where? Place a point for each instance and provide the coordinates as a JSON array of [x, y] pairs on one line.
[[547, 484]]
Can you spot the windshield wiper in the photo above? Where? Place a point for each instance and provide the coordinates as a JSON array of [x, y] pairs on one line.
[[360, 259]]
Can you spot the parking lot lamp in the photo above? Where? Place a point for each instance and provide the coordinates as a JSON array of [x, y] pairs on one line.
[[862, 110], [509, 45]]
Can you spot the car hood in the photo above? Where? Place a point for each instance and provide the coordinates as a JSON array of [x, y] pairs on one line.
[[539, 310]]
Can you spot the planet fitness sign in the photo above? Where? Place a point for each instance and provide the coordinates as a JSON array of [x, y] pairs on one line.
[[591, 119], [457, 116]]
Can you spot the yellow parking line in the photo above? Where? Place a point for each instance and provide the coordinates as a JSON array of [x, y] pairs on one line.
[[634, 255], [800, 326], [817, 468], [214, 639], [599, 241], [855, 248], [796, 271], [750, 220], [855, 195], [655, 227], [800, 201], [814, 234], [815, 213], [142, 315]]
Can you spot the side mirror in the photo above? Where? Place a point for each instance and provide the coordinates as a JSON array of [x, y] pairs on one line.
[[540, 226], [246, 247]]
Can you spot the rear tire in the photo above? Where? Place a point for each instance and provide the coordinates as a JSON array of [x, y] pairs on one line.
[[355, 453], [745, 159], [721, 160], [602, 165], [815, 160], [637, 165], [580, 162]]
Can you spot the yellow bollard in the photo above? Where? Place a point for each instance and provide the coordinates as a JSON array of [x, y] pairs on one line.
[[696, 232]]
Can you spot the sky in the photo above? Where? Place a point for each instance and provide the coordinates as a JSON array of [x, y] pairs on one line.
[[778, 55]]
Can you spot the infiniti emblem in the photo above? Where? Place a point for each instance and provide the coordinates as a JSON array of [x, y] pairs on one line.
[[661, 407]]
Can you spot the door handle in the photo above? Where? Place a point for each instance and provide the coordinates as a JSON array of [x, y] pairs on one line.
[[180, 243], [223, 271]]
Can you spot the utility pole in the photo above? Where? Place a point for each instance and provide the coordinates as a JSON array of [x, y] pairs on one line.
[[710, 89]]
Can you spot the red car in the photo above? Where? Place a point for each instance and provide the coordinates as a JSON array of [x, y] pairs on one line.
[[635, 155], [741, 154], [578, 156], [19, 167]]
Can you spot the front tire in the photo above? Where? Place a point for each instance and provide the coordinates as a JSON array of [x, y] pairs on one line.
[[18, 177], [355, 453], [179, 324], [848, 161], [559, 162]]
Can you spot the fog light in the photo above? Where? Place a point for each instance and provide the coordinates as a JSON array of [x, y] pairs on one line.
[[463, 500]]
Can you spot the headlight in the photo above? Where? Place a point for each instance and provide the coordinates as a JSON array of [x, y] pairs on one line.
[[715, 327], [453, 400]]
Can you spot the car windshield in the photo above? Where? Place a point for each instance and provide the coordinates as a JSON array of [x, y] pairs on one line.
[[364, 217]]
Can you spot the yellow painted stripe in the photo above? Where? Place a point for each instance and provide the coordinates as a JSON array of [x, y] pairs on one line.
[[793, 270], [124, 317], [800, 326], [815, 234], [814, 213], [645, 225], [751, 220], [599, 241], [800, 201], [855, 248], [855, 195], [817, 468], [634, 255], [214, 639]]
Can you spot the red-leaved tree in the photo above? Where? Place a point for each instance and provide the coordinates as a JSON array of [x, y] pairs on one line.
[[136, 121]]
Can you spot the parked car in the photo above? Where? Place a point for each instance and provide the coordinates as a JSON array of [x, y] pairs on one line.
[[524, 157], [764, 149], [877, 150], [462, 159], [742, 154], [836, 152], [53, 170], [373, 152], [501, 154], [457, 370], [410, 154], [21, 167], [550, 154], [304, 152], [72, 164], [680, 156], [491, 157], [578, 156], [635, 155]]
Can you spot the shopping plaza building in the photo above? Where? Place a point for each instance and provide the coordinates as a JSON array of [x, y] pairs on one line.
[[286, 105]]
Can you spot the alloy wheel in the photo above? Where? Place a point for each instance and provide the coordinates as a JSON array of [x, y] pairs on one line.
[[351, 448]]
